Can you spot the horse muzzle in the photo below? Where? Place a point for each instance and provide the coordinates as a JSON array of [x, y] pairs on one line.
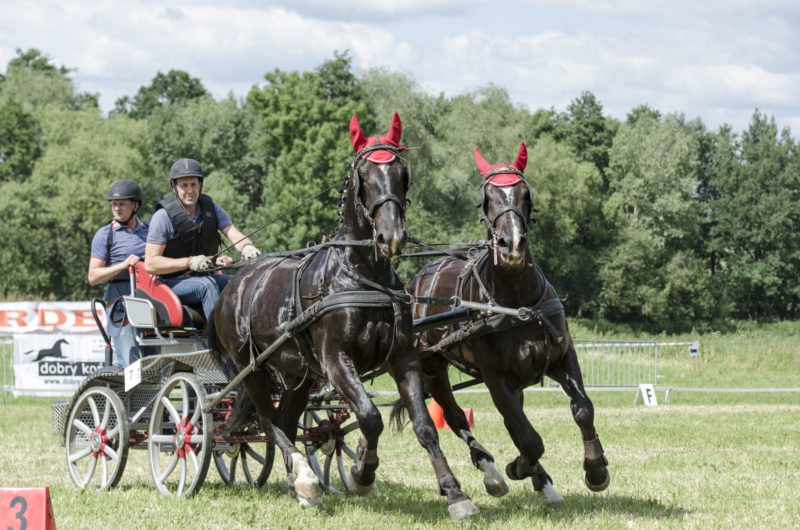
[[391, 243]]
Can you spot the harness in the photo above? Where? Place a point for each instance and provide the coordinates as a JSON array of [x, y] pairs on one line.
[[372, 295], [543, 311]]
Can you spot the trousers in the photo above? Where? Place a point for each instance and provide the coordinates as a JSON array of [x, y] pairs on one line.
[[201, 289]]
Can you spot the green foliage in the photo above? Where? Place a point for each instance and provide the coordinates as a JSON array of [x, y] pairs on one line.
[[652, 274], [174, 87], [33, 81], [51, 218], [758, 214], [654, 222], [302, 140], [19, 142]]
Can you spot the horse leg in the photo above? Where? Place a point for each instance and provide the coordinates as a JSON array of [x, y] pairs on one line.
[[409, 383], [568, 375], [343, 375], [526, 439], [304, 485], [434, 370]]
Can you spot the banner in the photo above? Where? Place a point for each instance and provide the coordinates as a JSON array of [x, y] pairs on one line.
[[47, 317], [56, 345]]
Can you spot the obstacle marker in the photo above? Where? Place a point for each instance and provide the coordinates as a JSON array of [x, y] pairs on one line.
[[646, 394], [437, 415], [26, 508]]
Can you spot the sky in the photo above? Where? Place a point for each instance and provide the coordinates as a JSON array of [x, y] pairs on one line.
[[714, 60]]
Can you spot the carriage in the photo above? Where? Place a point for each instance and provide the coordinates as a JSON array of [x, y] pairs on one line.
[[296, 331], [174, 406]]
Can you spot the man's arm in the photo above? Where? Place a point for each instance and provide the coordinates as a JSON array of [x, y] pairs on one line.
[[99, 273], [155, 262], [235, 236]]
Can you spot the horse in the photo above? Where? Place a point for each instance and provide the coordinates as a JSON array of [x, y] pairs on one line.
[[347, 313], [507, 353], [52, 351]]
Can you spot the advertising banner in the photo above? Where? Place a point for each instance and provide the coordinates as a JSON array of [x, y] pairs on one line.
[[56, 345]]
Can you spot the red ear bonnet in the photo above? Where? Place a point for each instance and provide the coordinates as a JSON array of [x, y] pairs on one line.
[[379, 156], [503, 179]]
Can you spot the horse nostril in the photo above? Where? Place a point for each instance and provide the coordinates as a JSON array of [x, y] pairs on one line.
[[502, 242]]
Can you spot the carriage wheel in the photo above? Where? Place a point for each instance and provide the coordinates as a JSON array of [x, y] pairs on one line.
[[253, 459], [336, 448], [97, 433], [179, 445]]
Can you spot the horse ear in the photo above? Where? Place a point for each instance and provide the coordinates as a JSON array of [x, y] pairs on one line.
[[483, 165], [522, 158], [356, 136], [393, 136]]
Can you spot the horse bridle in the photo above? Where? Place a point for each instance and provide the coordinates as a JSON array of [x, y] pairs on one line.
[[369, 211], [490, 223]]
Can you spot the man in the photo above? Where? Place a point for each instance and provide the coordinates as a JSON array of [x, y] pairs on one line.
[[115, 247], [183, 239]]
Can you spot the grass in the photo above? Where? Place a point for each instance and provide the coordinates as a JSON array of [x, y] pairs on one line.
[[705, 460]]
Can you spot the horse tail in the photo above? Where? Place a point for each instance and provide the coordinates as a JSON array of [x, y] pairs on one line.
[[243, 410], [398, 415]]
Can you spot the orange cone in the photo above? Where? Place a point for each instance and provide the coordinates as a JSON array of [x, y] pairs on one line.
[[436, 414]]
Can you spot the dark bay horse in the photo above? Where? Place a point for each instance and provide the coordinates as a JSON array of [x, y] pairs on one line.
[[347, 314], [507, 353]]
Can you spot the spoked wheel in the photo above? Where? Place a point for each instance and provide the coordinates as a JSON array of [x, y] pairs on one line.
[[249, 461], [332, 440], [97, 439], [180, 444]]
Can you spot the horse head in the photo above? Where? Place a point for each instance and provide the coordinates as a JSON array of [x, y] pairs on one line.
[[376, 198], [507, 202]]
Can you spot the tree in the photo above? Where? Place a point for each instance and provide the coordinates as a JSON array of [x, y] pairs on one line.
[[652, 273], [588, 132], [19, 142], [33, 81], [174, 87], [303, 142], [50, 218], [758, 212]]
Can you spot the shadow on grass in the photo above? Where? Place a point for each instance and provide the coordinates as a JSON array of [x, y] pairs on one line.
[[392, 498]]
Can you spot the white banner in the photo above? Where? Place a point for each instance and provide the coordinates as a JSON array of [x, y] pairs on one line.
[[56, 345], [55, 365], [47, 317]]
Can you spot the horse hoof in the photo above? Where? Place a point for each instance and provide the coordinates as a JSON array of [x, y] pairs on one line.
[[603, 484], [306, 501], [461, 509], [356, 488], [492, 479], [306, 483], [550, 495]]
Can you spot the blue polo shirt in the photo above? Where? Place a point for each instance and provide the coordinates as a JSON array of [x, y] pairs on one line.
[[125, 242], [161, 229]]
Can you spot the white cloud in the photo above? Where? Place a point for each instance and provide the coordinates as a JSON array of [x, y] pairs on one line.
[[712, 59]]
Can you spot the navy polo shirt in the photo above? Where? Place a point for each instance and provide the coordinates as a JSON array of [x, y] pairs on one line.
[[125, 243]]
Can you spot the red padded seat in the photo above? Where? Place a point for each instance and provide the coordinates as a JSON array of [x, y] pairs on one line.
[[170, 312]]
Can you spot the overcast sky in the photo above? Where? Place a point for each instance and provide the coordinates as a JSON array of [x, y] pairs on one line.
[[717, 60]]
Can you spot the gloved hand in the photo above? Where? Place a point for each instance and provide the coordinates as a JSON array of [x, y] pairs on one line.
[[250, 252], [200, 263]]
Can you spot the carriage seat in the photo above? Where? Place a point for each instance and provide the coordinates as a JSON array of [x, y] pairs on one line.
[[170, 312]]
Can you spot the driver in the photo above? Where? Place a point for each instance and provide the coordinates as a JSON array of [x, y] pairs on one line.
[[184, 239]]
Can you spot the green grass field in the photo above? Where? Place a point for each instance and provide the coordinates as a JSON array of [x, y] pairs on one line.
[[705, 460]]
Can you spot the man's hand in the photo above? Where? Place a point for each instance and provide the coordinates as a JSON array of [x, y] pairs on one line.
[[250, 252], [200, 263]]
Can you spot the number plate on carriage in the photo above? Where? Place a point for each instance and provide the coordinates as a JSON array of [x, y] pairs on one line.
[[133, 375]]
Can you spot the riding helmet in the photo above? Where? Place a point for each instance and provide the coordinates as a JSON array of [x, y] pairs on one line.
[[185, 167], [125, 189]]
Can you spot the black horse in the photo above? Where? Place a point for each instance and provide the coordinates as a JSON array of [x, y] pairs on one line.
[[52, 351], [507, 353], [347, 314]]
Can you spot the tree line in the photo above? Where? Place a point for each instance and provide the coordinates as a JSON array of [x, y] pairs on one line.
[[654, 221]]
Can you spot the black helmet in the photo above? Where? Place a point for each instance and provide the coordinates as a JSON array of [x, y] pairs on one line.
[[185, 167], [125, 189]]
